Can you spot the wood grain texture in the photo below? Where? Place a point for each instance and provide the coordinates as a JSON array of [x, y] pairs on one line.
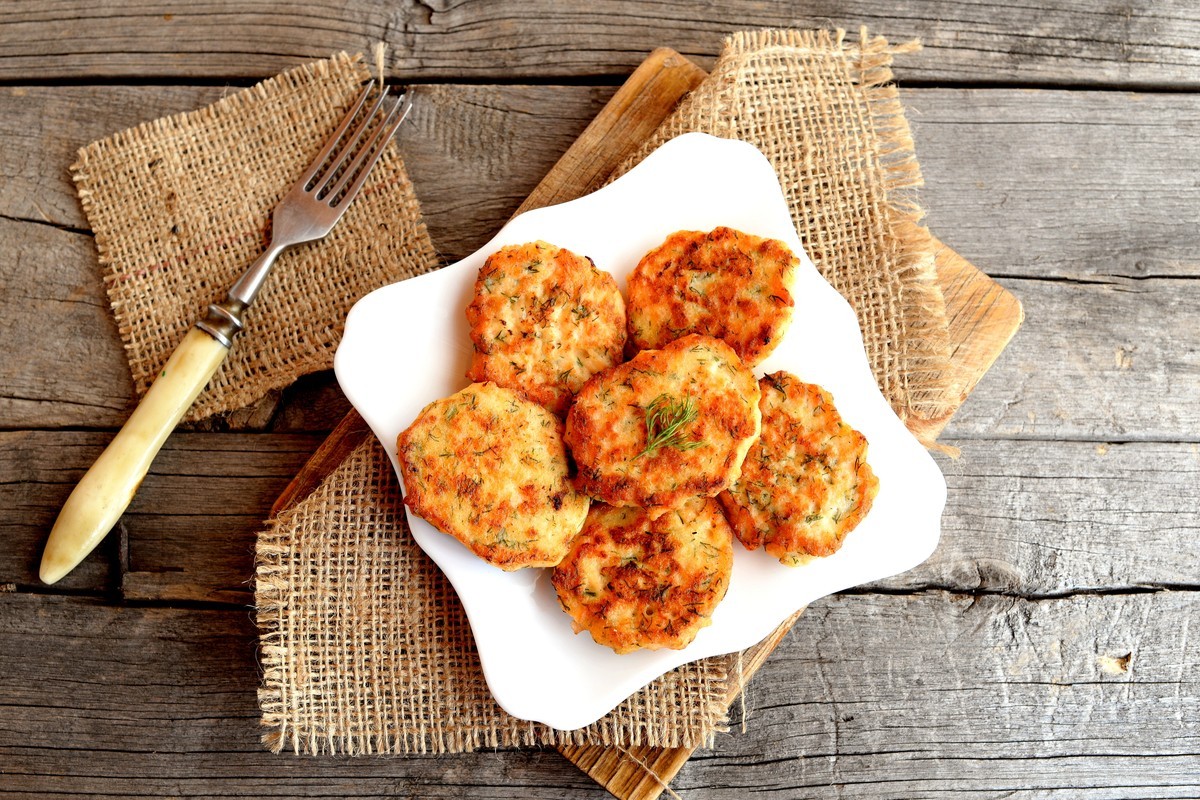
[[1023, 517], [1071, 528], [880, 696], [1092, 183], [1082, 207], [1097, 360], [1076, 42], [189, 532], [982, 317], [627, 120]]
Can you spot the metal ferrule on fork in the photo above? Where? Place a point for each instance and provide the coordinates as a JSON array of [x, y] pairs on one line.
[[223, 320]]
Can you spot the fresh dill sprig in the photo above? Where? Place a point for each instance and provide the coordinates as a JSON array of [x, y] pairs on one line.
[[665, 420]]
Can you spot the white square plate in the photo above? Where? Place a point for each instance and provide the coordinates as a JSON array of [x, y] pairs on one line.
[[407, 345]]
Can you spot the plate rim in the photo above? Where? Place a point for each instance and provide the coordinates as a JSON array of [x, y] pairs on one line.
[[561, 719]]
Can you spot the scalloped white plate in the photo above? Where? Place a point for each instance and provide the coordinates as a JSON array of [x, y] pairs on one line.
[[407, 344]]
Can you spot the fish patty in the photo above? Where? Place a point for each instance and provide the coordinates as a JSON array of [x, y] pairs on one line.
[[806, 482], [666, 426], [543, 320], [489, 468], [724, 283], [634, 582]]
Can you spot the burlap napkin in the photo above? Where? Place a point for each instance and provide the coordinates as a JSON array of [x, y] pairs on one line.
[[180, 207], [365, 647]]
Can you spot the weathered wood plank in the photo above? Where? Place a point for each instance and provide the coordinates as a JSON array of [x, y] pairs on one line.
[[1062, 184], [190, 530], [972, 697], [476, 152], [148, 702], [1038, 518], [630, 117], [1079, 42], [1082, 183], [1097, 361], [1123, 357], [65, 364], [36, 474], [1013, 181], [43, 127], [1026, 517], [872, 696]]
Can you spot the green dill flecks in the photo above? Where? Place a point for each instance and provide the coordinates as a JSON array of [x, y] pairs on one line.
[[532, 266], [452, 411], [811, 518], [665, 420], [504, 540]]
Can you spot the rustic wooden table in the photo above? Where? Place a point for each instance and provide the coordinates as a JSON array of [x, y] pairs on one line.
[[1044, 650]]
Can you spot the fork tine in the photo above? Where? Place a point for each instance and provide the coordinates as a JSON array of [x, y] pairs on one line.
[[361, 167], [334, 138], [338, 160]]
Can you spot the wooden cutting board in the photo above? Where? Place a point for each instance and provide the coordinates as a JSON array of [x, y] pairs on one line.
[[983, 318]]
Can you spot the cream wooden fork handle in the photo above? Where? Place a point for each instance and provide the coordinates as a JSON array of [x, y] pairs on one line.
[[106, 489]]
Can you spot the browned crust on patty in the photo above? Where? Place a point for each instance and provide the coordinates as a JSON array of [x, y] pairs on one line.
[[607, 433], [637, 583], [806, 482], [489, 468], [543, 320], [722, 283]]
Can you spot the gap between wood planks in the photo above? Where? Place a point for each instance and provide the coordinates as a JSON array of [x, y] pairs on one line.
[[609, 80], [114, 596]]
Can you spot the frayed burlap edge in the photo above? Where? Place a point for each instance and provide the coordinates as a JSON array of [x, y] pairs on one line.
[[930, 393]]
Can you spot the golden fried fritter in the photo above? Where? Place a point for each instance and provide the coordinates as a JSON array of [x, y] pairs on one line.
[[668, 425], [489, 468], [634, 582], [806, 483], [543, 320], [723, 283]]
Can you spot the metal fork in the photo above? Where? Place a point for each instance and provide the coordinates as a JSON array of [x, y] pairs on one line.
[[306, 213]]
